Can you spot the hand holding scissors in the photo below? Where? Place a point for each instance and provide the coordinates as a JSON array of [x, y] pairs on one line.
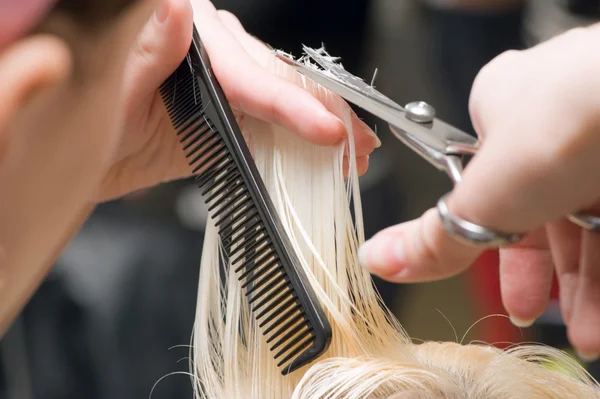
[[531, 189]]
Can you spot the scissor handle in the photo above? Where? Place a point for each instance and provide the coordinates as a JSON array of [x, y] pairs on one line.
[[474, 234], [586, 221], [454, 167]]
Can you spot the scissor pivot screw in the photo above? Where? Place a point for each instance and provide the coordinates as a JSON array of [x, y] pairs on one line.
[[420, 112]]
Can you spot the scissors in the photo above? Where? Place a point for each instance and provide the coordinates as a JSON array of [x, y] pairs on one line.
[[444, 146]]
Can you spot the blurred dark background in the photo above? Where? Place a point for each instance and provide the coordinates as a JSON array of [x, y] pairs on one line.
[[116, 314]]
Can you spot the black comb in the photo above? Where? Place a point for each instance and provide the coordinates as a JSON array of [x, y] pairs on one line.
[[252, 236]]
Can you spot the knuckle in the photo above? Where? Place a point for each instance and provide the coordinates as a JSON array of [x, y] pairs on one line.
[[575, 32], [233, 94], [145, 50], [228, 18], [439, 253], [493, 86], [428, 251], [279, 98], [230, 82], [497, 66], [509, 54], [504, 60]]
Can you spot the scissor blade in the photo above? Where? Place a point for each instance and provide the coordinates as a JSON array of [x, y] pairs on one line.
[[437, 135], [344, 77], [392, 115], [340, 79]]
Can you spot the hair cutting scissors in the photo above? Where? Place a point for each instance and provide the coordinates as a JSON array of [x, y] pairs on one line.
[[442, 145]]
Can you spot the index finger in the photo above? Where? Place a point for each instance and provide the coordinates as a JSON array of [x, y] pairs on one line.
[[254, 91], [364, 137], [16, 17]]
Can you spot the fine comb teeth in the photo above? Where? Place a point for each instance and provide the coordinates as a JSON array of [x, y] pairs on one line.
[[254, 240]]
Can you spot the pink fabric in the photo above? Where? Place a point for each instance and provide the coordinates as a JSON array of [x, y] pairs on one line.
[[18, 16]]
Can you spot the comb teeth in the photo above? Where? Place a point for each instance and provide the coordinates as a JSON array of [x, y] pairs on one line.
[[252, 238]]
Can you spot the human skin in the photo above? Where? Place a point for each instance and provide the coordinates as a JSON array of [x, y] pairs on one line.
[[537, 113], [81, 121]]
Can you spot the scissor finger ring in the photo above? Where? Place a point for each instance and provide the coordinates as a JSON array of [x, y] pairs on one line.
[[471, 233], [585, 221]]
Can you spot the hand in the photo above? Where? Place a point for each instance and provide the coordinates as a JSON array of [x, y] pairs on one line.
[[150, 152], [537, 113], [18, 16]]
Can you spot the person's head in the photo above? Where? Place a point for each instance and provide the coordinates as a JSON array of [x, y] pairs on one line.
[[452, 371], [61, 66]]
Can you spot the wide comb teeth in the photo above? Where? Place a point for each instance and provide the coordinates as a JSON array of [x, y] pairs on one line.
[[282, 307]]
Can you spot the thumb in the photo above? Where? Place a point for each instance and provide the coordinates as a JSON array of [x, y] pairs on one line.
[[491, 194], [161, 46], [419, 250], [497, 193], [16, 17]]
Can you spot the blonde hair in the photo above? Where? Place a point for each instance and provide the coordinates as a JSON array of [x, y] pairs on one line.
[[370, 355]]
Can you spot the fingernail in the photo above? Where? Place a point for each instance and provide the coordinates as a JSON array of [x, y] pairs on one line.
[[588, 357], [162, 12], [368, 131], [371, 133], [568, 288], [521, 323], [382, 254], [341, 125], [363, 255]]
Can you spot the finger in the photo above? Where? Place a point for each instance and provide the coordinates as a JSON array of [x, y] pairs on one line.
[[17, 17], [254, 91], [365, 139], [585, 321], [526, 271], [507, 203], [529, 172], [565, 242], [160, 47], [255, 48], [29, 66], [362, 165], [419, 250]]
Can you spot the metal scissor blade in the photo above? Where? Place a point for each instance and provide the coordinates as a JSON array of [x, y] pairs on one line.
[[431, 140], [338, 73], [392, 115], [434, 157]]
